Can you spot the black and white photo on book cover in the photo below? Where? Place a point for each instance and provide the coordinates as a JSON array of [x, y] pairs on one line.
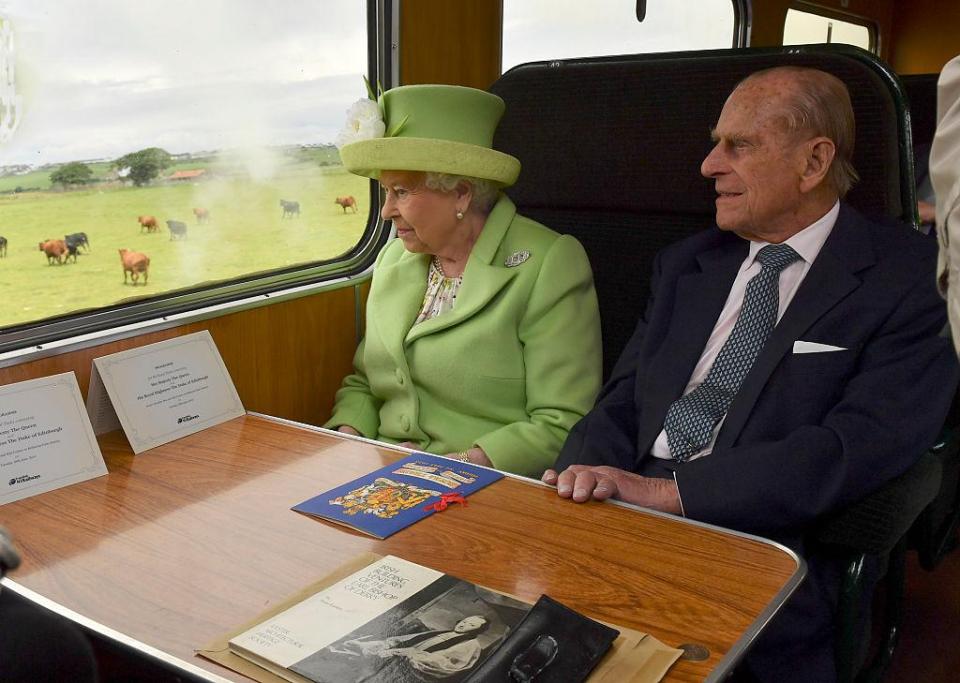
[[392, 622], [439, 634]]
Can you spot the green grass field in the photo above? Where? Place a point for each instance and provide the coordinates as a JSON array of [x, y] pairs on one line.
[[245, 234]]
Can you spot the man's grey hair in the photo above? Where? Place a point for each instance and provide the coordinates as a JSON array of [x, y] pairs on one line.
[[820, 106], [484, 191]]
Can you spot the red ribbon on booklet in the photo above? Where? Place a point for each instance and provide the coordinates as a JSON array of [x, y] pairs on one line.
[[446, 499]]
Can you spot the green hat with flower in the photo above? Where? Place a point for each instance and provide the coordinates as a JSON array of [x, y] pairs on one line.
[[430, 128]]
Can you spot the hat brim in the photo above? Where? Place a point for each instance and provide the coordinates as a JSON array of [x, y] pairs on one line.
[[370, 157]]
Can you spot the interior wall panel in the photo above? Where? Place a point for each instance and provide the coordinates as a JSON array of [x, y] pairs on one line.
[[450, 42], [927, 35], [286, 359]]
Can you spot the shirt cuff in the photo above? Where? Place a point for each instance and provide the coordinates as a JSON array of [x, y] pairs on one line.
[[679, 497]]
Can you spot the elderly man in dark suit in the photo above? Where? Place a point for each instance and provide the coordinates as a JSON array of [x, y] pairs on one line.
[[788, 362]]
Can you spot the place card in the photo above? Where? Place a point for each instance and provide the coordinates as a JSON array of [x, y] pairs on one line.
[[161, 392], [46, 440]]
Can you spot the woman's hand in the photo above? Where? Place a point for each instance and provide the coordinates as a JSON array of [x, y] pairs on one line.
[[474, 455], [347, 429]]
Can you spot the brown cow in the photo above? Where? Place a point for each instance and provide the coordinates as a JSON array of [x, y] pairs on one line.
[[203, 215], [54, 249], [148, 222], [134, 263], [345, 202]]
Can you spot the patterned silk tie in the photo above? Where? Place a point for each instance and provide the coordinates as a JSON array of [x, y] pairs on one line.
[[691, 418]]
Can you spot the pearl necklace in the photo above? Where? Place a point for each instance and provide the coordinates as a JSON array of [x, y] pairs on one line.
[[436, 264]]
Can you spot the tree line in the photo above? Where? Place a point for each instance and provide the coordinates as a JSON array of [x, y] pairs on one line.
[[144, 166]]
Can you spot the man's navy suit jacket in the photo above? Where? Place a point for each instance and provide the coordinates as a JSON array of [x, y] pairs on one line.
[[807, 433]]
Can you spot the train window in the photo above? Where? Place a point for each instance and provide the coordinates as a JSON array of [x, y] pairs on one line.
[[197, 136], [536, 30], [802, 28]]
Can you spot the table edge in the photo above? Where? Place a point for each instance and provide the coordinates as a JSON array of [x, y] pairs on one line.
[[112, 634]]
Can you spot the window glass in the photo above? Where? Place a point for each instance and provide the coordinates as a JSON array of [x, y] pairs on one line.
[[197, 134], [802, 28], [535, 30]]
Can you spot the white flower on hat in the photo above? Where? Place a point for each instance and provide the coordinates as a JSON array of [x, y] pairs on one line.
[[364, 122]]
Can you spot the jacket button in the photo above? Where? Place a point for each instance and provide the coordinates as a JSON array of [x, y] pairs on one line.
[[405, 423], [399, 377]]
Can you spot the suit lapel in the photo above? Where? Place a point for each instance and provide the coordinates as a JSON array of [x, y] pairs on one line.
[[699, 299], [399, 296], [831, 278], [482, 279]]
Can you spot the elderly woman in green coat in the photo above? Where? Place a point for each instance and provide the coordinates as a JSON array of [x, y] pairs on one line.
[[482, 330]]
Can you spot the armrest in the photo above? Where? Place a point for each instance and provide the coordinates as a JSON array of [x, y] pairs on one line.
[[933, 533], [876, 523]]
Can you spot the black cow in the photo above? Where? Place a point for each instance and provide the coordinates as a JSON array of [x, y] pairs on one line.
[[290, 209], [72, 250], [178, 229], [3, 246], [77, 240]]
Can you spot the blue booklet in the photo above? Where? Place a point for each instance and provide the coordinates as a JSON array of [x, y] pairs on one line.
[[398, 495]]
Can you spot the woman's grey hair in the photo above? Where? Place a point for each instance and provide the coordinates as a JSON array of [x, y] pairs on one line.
[[820, 105], [484, 191]]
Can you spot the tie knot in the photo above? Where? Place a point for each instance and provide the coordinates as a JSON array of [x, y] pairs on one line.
[[777, 256]]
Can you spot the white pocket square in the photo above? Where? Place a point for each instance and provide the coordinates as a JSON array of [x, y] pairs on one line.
[[814, 347]]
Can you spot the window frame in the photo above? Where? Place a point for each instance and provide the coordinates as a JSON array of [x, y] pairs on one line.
[[742, 25], [873, 30], [85, 327]]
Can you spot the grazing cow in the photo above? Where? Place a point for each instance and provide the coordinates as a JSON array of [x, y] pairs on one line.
[[134, 263], [54, 249], [346, 202], [290, 209], [72, 250], [178, 229], [3, 246], [77, 240], [149, 223], [203, 215]]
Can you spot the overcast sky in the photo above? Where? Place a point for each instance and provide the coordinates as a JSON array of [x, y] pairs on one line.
[[101, 78]]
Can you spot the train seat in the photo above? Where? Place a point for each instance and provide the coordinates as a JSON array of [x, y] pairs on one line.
[[626, 179]]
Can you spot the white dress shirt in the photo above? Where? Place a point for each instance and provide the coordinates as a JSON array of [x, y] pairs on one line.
[[807, 244]]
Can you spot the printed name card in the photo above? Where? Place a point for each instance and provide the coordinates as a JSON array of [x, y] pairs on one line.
[[46, 440], [161, 392]]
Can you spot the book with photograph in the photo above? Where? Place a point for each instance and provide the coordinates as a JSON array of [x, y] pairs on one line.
[[390, 622], [387, 500]]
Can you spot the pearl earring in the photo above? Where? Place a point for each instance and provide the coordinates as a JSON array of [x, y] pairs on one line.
[[459, 214]]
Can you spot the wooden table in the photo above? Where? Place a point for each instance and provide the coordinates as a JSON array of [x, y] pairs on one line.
[[179, 544]]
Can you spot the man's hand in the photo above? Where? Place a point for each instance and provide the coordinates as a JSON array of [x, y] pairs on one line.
[[582, 482]]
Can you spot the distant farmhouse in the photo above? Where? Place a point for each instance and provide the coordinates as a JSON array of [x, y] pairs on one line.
[[191, 174]]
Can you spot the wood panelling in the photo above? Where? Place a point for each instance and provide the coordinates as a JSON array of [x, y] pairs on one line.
[[286, 359], [926, 35], [450, 42]]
